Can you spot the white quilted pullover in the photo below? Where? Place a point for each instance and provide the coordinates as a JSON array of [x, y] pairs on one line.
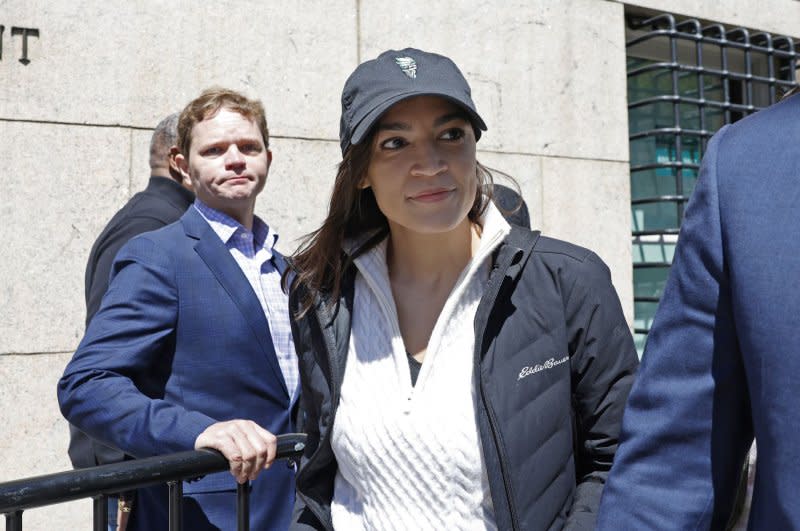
[[410, 456]]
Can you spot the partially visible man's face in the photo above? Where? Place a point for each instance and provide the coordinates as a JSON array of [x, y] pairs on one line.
[[228, 162]]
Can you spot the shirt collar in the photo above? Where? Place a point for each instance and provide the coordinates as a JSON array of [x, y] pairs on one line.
[[225, 227]]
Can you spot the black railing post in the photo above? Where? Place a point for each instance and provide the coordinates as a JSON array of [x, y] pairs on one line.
[[243, 506], [175, 505], [100, 508], [14, 521]]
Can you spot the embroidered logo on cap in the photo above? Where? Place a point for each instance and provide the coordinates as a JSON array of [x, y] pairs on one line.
[[407, 65]]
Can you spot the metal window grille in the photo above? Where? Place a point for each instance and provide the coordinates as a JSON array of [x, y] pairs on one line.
[[686, 79]]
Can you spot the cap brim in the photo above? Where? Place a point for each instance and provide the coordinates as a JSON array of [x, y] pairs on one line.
[[363, 127]]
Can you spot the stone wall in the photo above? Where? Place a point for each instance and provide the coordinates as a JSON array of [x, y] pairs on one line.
[[548, 77]]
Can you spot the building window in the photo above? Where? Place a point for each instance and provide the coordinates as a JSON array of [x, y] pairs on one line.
[[686, 79]]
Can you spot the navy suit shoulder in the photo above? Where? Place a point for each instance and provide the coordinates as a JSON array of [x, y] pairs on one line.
[[757, 159], [759, 141], [768, 126], [720, 364]]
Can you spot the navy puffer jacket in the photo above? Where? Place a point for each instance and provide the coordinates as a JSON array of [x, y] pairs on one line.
[[554, 363]]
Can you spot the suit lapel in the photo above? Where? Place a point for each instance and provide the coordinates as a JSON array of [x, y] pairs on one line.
[[227, 272]]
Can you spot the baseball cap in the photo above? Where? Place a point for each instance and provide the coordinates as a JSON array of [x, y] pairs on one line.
[[394, 76]]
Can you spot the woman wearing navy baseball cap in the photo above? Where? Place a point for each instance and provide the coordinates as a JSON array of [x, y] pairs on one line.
[[457, 372]]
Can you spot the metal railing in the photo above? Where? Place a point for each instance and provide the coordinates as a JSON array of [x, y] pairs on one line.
[[98, 482]]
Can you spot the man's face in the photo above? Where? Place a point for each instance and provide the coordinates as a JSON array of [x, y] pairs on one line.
[[227, 162]]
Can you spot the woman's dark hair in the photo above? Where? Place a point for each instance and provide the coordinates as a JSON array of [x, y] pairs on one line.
[[320, 261]]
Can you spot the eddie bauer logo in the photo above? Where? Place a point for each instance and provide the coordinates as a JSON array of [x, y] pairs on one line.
[[539, 367]]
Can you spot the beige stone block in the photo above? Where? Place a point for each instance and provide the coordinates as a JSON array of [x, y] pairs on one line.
[[296, 197], [66, 183], [588, 203], [547, 76], [526, 170], [134, 62], [35, 436], [776, 16]]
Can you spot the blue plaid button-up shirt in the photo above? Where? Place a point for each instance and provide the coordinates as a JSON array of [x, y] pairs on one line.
[[263, 266]]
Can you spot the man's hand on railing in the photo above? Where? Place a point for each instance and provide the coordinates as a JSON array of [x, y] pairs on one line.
[[248, 447]]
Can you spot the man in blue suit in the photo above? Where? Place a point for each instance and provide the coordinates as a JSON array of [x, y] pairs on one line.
[[722, 360], [192, 345]]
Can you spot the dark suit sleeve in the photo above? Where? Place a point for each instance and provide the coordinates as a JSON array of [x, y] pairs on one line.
[[603, 362], [686, 428], [97, 276], [112, 389]]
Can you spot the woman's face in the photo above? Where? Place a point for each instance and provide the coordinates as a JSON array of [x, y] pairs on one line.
[[422, 168]]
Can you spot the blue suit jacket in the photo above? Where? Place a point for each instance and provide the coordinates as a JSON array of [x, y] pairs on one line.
[[180, 342], [722, 360]]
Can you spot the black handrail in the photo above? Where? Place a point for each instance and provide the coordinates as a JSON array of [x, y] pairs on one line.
[[21, 494]]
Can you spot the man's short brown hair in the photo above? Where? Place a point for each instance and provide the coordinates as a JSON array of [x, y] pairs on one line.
[[208, 104]]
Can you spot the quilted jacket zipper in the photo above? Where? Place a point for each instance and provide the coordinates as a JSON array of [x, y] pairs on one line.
[[482, 316], [503, 460]]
